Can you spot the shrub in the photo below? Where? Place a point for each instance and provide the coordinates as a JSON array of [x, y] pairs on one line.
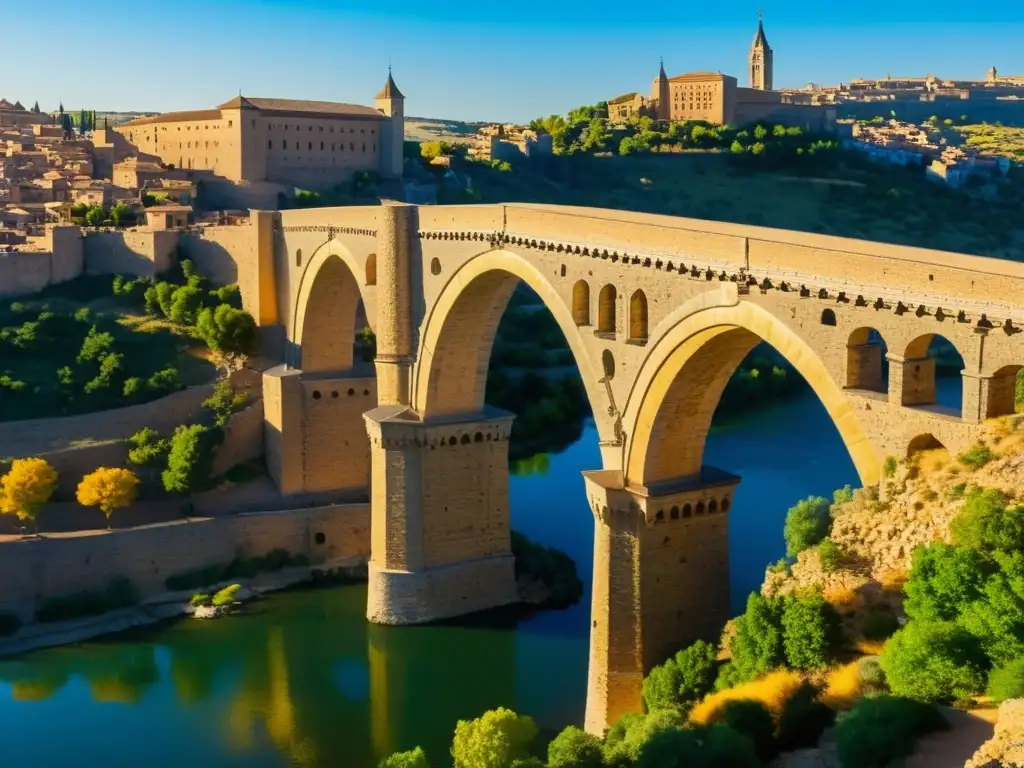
[[753, 720], [986, 523], [773, 691], [889, 466], [189, 459], [415, 758], [223, 402], [95, 345], [226, 596], [978, 456], [879, 625], [724, 746], [872, 676], [493, 740], [132, 387], [573, 748], [554, 569], [226, 329], [843, 686], [882, 729], [148, 448], [9, 623], [997, 617], [26, 488], [1007, 681], [186, 302], [83, 315], [164, 380], [227, 294], [806, 524], [95, 216], [151, 299], [810, 630], [779, 566], [681, 680], [829, 555], [943, 580], [110, 365], [934, 661], [803, 719], [842, 495], [200, 598], [164, 294], [756, 646]]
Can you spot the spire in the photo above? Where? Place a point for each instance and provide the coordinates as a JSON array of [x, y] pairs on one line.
[[661, 73], [759, 39], [390, 90]]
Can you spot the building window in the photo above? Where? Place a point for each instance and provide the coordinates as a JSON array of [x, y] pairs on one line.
[[284, 144], [230, 123], [311, 146], [364, 147], [270, 144]]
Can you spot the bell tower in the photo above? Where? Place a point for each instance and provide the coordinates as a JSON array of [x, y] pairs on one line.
[[391, 103], [761, 59], [660, 94]]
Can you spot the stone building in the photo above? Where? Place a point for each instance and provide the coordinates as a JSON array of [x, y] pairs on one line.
[[718, 99], [312, 144], [16, 114]]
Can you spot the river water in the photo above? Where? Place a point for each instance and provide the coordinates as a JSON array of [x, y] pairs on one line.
[[306, 681]]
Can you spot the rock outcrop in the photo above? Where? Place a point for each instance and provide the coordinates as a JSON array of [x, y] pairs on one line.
[[1006, 747]]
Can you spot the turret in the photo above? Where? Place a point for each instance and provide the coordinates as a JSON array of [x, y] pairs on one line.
[[992, 75], [761, 55], [391, 103], [660, 94]]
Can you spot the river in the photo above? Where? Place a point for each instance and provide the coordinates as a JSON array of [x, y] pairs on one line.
[[306, 681]]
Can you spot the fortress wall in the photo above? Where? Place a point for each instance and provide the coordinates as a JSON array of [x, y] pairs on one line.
[[243, 439], [68, 248], [24, 272], [337, 449], [140, 252], [225, 255], [34, 569], [76, 461]]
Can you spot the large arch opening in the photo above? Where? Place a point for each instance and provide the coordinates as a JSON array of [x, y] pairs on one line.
[[1005, 392], [933, 375], [867, 368], [329, 319]]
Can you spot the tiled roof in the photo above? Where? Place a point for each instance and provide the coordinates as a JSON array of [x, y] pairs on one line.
[[332, 108], [177, 117]]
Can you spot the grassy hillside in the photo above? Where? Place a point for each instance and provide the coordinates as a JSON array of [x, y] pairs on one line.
[[851, 199]]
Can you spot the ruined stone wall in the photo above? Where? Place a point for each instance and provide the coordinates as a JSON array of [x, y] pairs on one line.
[[141, 252], [35, 569]]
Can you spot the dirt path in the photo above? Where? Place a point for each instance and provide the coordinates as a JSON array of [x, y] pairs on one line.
[[953, 748]]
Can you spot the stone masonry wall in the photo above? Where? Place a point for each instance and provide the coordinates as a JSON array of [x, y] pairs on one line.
[[34, 569], [139, 252]]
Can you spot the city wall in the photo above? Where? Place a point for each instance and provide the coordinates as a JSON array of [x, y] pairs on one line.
[[225, 255], [59, 259], [33, 569], [139, 252]]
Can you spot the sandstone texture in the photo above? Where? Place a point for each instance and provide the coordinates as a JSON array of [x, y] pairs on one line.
[[1006, 747]]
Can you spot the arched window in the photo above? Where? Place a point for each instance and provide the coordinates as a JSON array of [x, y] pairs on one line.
[[828, 317], [581, 303], [298, 257], [606, 310], [866, 366], [371, 269], [933, 375], [926, 442], [638, 316]]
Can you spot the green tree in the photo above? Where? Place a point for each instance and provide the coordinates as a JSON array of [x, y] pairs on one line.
[[121, 215], [756, 646], [880, 730], [1007, 681], [573, 748], [807, 524], [95, 345], [997, 617], [189, 460], [736, 148], [760, 133], [682, 680], [752, 719], [986, 523], [226, 329], [223, 402], [494, 740], [934, 661], [810, 630], [186, 303], [829, 555], [148, 448], [415, 758], [943, 580], [165, 296], [95, 216]]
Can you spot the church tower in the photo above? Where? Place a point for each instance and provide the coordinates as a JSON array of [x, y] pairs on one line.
[[391, 102], [660, 95], [761, 59]]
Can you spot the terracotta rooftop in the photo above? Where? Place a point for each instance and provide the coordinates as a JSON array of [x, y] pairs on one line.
[[175, 117], [624, 97], [332, 108], [169, 209]]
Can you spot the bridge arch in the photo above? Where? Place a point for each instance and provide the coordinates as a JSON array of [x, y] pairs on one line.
[[327, 308], [455, 347], [681, 382]]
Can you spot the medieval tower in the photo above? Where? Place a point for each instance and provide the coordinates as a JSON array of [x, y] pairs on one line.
[[391, 102], [760, 59], [660, 95]]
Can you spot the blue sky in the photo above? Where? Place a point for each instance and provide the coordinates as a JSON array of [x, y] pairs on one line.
[[506, 60]]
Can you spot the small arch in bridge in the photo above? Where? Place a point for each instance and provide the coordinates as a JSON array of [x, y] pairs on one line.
[[687, 511], [660, 515], [925, 442], [478, 437], [334, 394], [298, 257], [725, 504], [465, 440], [828, 317], [712, 507], [933, 375], [823, 294], [606, 310], [700, 508], [581, 303], [366, 392], [638, 316], [316, 394], [453, 440], [1002, 391], [608, 364], [371, 269], [866, 365], [435, 266], [320, 538], [487, 437], [674, 513]]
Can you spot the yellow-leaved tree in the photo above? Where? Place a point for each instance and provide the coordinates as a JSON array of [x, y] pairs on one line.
[[108, 488], [26, 488]]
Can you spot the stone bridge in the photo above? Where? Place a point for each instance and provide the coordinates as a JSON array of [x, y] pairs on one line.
[[658, 313]]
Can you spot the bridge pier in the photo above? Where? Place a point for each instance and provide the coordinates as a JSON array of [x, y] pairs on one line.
[[441, 541], [911, 380], [314, 431], [661, 580]]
